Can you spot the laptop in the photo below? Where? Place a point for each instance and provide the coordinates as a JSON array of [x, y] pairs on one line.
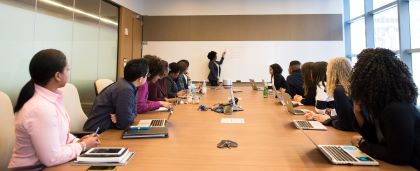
[[344, 154], [309, 125], [152, 123], [254, 85], [290, 109]]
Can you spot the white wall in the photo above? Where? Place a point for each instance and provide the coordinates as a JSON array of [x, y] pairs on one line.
[[232, 7], [240, 7], [244, 59], [133, 5]]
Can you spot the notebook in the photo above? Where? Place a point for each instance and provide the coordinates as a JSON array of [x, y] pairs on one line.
[[254, 85], [153, 132], [104, 155], [344, 154], [161, 109], [311, 125], [148, 123]]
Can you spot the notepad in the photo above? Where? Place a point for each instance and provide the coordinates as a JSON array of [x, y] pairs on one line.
[[233, 120]]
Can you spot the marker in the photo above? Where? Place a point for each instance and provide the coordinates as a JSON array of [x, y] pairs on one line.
[[96, 132]]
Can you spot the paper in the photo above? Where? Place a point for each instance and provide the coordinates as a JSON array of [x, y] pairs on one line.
[[233, 120]]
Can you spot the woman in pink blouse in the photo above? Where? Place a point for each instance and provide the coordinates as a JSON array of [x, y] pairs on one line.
[[41, 122]]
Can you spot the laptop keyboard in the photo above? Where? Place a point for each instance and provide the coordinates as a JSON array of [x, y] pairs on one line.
[[304, 124], [157, 122], [339, 154], [299, 111]]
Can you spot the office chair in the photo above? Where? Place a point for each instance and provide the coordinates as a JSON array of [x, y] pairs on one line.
[[74, 109], [7, 137], [101, 84]]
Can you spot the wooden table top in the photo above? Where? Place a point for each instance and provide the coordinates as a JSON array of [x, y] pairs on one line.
[[267, 140]]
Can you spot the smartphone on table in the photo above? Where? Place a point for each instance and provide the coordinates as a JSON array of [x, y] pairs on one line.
[[101, 168]]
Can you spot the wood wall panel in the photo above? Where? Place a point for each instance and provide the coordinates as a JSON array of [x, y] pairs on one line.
[[129, 46], [137, 37], [303, 27]]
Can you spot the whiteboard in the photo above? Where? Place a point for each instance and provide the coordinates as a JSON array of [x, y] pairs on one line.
[[243, 59]]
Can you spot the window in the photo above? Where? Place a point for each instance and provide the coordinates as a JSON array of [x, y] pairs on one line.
[[86, 31], [416, 70], [386, 29], [357, 8], [358, 38], [380, 3], [414, 23]]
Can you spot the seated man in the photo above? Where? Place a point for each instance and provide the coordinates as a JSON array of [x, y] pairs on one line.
[[118, 98], [295, 79]]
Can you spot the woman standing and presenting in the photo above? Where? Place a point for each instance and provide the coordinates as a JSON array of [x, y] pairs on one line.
[[42, 124], [214, 67]]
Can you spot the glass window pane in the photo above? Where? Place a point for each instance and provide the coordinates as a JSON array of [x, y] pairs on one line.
[[16, 44], [416, 70], [357, 8], [108, 41], [85, 48], [386, 29], [414, 23], [380, 3], [53, 26], [358, 37]]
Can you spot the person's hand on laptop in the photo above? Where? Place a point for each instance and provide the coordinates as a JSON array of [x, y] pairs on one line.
[[166, 104], [171, 100], [355, 140], [297, 98], [113, 118], [321, 117], [309, 115], [180, 93]]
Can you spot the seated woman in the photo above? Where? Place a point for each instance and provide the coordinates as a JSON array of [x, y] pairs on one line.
[[309, 85], [338, 85], [324, 104], [383, 87], [171, 85], [182, 80], [155, 71], [43, 135], [158, 88], [280, 83]]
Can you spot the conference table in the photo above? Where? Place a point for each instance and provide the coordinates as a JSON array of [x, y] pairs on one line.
[[267, 140]]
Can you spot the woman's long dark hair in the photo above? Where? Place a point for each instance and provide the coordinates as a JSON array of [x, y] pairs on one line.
[[307, 76], [380, 78], [43, 66], [319, 73], [277, 70]]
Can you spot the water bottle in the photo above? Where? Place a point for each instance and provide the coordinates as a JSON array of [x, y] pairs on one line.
[[204, 88], [192, 87], [265, 93]]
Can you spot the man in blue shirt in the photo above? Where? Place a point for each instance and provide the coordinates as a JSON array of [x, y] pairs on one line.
[[295, 79], [118, 98]]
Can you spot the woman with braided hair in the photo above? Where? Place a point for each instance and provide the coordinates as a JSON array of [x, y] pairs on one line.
[[384, 97]]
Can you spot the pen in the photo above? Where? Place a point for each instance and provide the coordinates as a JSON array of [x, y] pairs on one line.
[[96, 132]]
